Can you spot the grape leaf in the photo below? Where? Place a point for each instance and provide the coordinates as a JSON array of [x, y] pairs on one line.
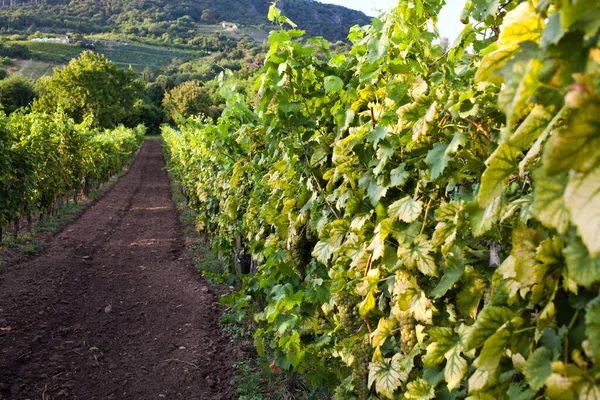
[[493, 350], [419, 390], [501, 164], [333, 84], [515, 94], [548, 201], [455, 268], [578, 146], [437, 159], [384, 329], [582, 197], [489, 320], [582, 268], [387, 375], [405, 209], [538, 368], [456, 367], [592, 325]]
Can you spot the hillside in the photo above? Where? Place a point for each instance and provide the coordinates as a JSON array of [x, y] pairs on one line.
[[176, 21]]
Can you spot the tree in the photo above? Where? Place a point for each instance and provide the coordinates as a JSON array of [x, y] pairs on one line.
[[91, 85], [208, 16], [189, 99], [16, 92]]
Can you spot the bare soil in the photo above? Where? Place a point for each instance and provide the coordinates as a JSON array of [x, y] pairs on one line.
[[114, 309]]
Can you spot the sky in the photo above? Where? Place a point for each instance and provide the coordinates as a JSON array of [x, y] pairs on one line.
[[449, 18]]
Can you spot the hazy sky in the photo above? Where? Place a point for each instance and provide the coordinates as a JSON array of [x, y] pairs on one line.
[[449, 19]]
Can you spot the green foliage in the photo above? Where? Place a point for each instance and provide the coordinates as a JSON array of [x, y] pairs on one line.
[[189, 99], [91, 86], [16, 92], [451, 199], [45, 156], [171, 21]]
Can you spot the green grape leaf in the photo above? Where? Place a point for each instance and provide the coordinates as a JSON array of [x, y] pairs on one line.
[[583, 201], [548, 201], [592, 325], [483, 220], [493, 350], [387, 376], [554, 30], [399, 176], [455, 268], [520, 391], [538, 367], [333, 84], [405, 209], [582, 268], [488, 322], [578, 146], [437, 159], [500, 166], [375, 192], [419, 390]]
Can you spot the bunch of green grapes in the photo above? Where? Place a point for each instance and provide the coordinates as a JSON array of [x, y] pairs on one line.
[[362, 352], [346, 304], [299, 251], [407, 331]]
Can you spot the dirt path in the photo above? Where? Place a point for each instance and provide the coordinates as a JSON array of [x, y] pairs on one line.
[[113, 309]]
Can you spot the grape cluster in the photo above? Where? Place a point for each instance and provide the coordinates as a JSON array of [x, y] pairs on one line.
[[407, 331], [346, 304], [299, 251], [362, 352]]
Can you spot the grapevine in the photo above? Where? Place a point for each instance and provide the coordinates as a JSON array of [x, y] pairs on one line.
[[452, 191]]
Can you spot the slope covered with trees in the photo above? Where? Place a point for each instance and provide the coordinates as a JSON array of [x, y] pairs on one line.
[[422, 224], [170, 19]]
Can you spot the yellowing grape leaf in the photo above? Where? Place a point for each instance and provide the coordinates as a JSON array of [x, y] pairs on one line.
[[548, 201], [387, 375], [578, 146], [419, 390], [582, 198], [384, 329], [405, 209]]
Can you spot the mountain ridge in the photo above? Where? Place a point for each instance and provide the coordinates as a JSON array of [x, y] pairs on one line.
[[149, 18]]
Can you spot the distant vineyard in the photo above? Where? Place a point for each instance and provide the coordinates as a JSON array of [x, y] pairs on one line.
[[45, 157]]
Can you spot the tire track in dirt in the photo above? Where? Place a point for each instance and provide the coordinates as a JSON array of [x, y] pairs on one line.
[[113, 309]]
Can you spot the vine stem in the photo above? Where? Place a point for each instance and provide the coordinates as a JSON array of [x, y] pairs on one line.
[[425, 216], [369, 264], [363, 297], [573, 320], [479, 127]]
